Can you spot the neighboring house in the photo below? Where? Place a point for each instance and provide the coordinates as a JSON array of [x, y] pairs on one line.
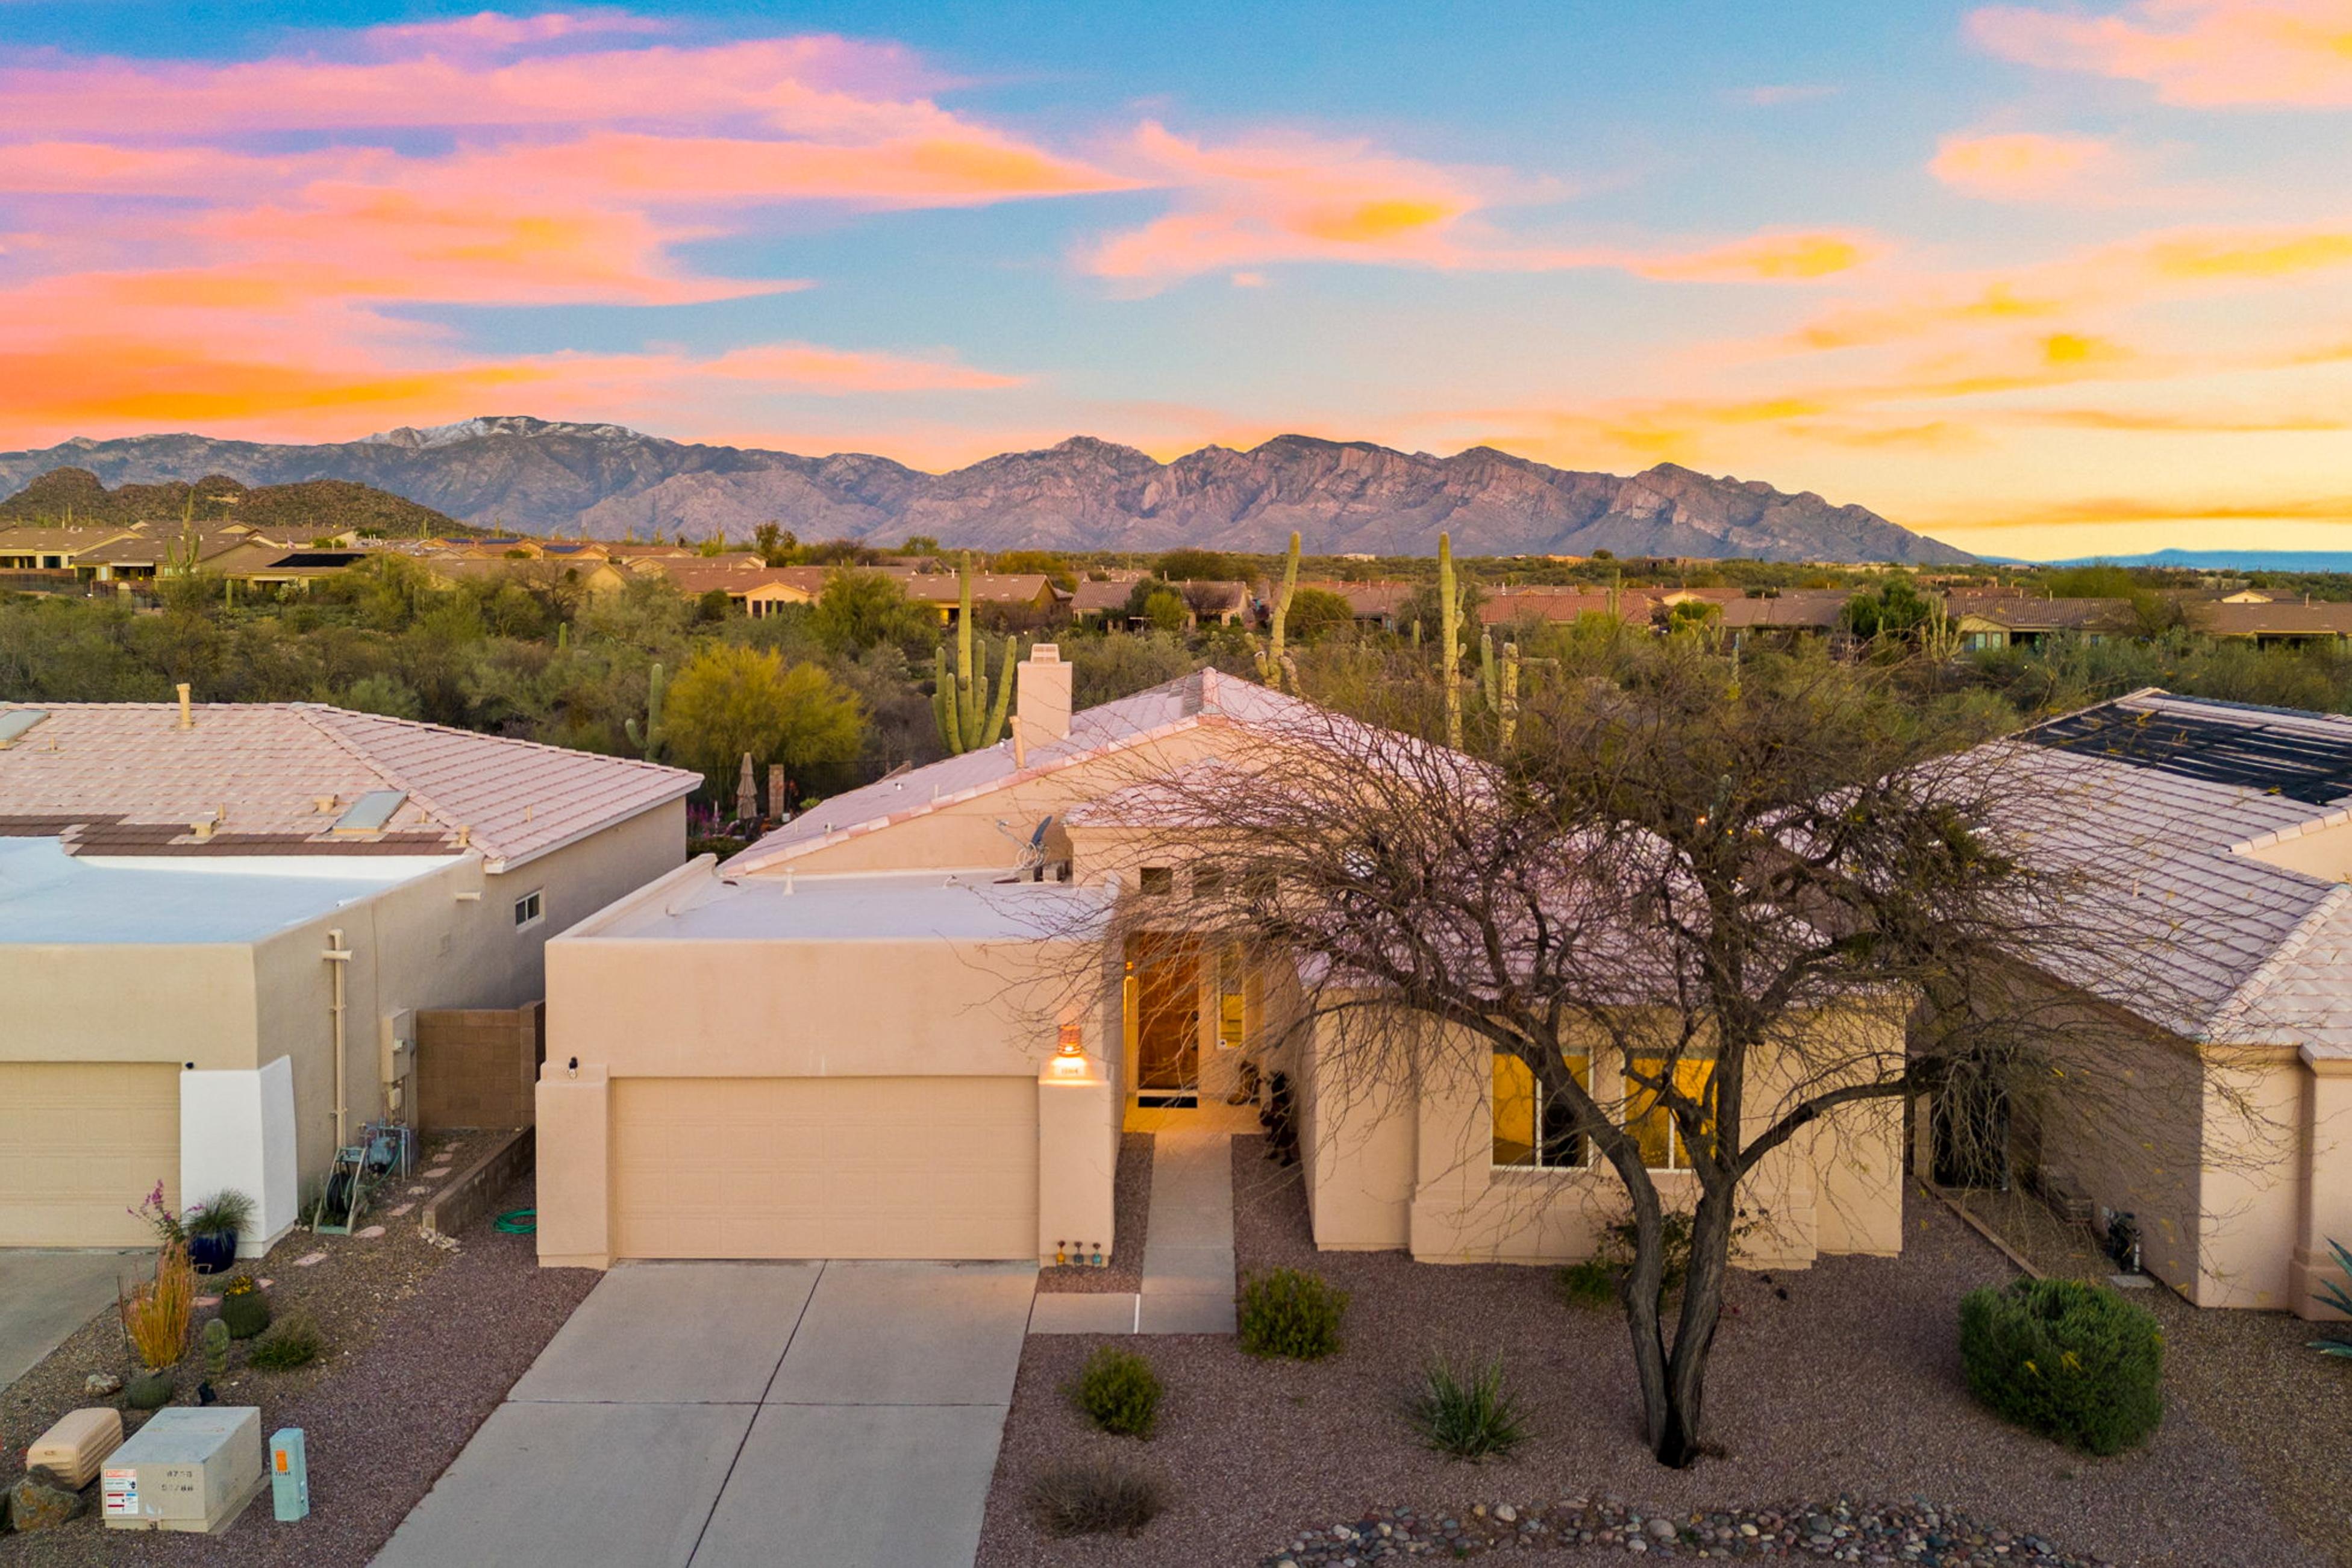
[[1378, 603], [1226, 603], [1503, 605], [1807, 613], [757, 591], [591, 574], [2271, 625], [29, 547], [939, 592], [891, 1028], [2027, 622], [2233, 980], [216, 921]]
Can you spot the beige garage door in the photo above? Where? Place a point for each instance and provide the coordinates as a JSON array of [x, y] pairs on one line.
[[824, 1168], [81, 1143]]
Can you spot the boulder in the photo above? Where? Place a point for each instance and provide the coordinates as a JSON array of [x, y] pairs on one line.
[[42, 1501]]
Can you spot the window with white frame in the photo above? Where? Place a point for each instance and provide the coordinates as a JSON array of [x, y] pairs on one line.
[[529, 908], [1532, 1129], [1647, 1116]]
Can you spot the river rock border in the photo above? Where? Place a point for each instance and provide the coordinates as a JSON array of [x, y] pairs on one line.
[[1844, 1531]]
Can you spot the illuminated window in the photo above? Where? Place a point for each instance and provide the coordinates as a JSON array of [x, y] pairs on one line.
[[1652, 1125], [1530, 1132]]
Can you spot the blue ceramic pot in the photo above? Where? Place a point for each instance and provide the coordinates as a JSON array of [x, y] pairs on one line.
[[213, 1254]]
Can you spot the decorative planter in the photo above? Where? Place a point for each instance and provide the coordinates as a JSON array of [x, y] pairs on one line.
[[212, 1253], [247, 1313], [150, 1390]]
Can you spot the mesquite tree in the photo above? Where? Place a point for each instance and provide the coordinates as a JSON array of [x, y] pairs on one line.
[[1708, 878]]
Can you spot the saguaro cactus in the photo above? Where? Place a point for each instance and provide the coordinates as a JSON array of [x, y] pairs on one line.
[[650, 739], [1449, 652], [1270, 663], [968, 720]]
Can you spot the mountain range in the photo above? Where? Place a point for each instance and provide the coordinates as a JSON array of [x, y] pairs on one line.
[[307, 506], [607, 481]]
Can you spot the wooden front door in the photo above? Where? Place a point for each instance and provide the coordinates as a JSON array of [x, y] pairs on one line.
[[1168, 1011]]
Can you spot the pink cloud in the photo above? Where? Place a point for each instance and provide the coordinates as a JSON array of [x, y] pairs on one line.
[[2023, 165], [2204, 53]]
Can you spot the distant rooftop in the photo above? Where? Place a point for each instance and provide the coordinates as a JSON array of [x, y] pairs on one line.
[[246, 778]]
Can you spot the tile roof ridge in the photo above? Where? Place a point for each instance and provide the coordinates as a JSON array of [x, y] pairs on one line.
[[312, 713], [2241, 1001], [450, 730]]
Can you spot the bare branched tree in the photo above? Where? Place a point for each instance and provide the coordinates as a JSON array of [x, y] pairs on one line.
[[1728, 881]]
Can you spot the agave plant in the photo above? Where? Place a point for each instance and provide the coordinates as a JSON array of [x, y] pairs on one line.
[[2339, 1340]]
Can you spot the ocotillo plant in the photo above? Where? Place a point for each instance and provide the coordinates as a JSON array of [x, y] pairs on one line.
[[968, 721], [1449, 651], [650, 740], [1269, 663]]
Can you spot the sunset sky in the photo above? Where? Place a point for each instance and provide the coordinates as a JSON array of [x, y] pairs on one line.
[[2041, 278]]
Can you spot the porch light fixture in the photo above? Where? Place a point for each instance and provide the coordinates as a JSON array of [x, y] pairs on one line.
[[1070, 1042], [1069, 1054]]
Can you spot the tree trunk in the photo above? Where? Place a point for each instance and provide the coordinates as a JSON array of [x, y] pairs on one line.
[[1675, 1432], [1640, 1289]]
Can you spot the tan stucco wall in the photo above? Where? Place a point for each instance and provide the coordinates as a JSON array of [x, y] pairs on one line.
[[2324, 1206], [417, 944], [2251, 1178], [1398, 1146]]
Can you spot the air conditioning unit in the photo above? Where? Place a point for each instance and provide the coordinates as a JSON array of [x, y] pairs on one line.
[[190, 1469]]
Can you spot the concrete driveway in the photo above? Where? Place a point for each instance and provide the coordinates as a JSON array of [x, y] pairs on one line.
[[727, 1414], [44, 1296]]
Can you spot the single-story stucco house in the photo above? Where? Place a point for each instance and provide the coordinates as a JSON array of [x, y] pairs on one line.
[[219, 921], [2230, 829], [894, 1028]]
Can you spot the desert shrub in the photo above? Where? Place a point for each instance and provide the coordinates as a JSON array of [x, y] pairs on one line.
[[1471, 1416], [1094, 1496], [1591, 1283], [1292, 1314], [2337, 1340], [1118, 1391], [155, 1315], [2070, 1360], [292, 1341]]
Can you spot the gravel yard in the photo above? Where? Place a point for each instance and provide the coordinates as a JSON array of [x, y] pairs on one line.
[[1131, 1207], [1842, 1379], [423, 1342]]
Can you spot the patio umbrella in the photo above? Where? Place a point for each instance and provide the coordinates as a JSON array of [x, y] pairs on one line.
[[747, 793]]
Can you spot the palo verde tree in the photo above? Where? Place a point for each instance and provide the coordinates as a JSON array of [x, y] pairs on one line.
[[1698, 915]]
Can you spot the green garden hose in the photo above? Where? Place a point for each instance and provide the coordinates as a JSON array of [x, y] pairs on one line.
[[517, 1222]]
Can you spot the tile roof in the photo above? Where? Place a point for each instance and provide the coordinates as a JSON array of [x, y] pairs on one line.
[[2267, 620], [1506, 604], [2032, 615], [1095, 732], [1807, 609], [2233, 948], [124, 779]]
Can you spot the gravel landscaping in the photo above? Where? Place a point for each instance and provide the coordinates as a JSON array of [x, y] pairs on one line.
[[1840, 1381], [2251, 1378], [423, 1342], [1131, 1208]]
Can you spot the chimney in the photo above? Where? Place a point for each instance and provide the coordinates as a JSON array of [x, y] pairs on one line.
[[1042, 711], [187, 721]]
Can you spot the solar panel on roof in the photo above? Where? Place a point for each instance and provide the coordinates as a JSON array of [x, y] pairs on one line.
[[2314, 769]]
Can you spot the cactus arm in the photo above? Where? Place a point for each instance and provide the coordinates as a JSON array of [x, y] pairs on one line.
[[650, 740], [995, 730], [1449, 621], [943, 704], [1510, 703], [1490, 676], [968, 700]]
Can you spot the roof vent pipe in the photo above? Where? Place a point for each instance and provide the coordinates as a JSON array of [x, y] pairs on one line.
[[187, 719]]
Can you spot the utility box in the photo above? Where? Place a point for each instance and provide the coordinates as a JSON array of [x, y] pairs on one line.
[[190, 1469], [289, 1475]]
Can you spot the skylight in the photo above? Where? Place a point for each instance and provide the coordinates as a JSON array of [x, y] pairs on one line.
[[371, 811], [16, 721]]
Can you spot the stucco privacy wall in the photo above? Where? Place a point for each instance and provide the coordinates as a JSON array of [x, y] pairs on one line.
[[2324, 1207], [625, 1001], [1398, 1142], [236, 1132]]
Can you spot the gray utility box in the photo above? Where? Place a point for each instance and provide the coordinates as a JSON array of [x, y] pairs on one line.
[[188, 1468]]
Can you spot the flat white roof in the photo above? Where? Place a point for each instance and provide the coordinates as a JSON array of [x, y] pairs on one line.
[[883, 906], [49, 898]]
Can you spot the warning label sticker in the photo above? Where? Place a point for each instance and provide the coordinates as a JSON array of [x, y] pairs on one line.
[[121, 1489]]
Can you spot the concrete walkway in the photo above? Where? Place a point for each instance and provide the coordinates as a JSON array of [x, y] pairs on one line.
[[44, 1296], [727, 1414], [1188, 1252]]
